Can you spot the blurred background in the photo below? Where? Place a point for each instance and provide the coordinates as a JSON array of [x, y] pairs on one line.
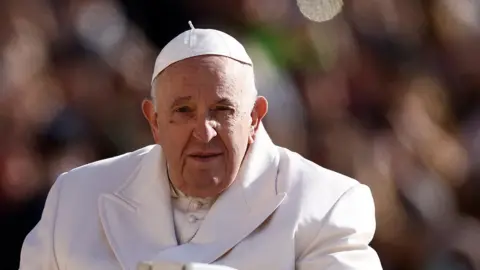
[[386, 92]]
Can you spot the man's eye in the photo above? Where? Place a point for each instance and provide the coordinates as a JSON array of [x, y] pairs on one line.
[[183, 109]]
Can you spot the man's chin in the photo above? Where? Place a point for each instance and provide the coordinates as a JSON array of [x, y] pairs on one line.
[[206, 185]]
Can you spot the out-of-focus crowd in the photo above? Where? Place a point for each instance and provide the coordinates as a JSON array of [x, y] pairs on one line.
[[385, 92]]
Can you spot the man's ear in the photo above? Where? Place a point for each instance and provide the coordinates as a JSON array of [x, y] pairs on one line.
[[259, 111], [149, 112]]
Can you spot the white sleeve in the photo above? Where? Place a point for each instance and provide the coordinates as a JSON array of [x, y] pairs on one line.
[[38, 250], [342, 242]]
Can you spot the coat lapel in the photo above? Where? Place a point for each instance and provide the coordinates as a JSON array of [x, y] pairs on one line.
[[138, 221], [137, 218], [238, 211]]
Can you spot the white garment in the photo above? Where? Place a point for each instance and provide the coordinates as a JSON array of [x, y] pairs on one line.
[[282, 212], [187, 218], [188, 214]]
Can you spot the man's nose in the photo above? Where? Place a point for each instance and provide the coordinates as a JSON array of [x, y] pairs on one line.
[[204, 130]]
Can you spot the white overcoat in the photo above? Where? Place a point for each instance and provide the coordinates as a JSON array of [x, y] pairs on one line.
[[283, 212]]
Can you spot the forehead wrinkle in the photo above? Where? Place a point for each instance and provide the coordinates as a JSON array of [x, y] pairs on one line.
[[231, 78]]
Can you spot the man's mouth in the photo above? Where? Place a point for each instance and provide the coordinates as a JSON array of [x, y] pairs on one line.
[[204, 157]]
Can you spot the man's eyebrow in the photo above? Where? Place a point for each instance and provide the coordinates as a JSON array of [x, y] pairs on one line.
[[180, 100], [225, 101]]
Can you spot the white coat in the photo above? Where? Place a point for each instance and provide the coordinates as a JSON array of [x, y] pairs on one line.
[[283, 212]]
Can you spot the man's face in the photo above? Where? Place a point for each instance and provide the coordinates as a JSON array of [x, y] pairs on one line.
[[206, 116]]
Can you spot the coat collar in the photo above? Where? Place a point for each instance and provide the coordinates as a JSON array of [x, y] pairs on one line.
[[138, 220]]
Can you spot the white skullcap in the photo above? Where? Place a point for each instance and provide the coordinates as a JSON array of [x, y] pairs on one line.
[[196, 42]]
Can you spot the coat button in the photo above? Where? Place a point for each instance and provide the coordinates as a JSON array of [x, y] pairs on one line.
[[196, 205], [192, 219]]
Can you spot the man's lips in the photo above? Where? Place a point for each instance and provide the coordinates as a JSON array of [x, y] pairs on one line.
[[204, 155]]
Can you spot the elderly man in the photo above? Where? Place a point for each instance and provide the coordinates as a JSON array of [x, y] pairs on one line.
[[213, 189]]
